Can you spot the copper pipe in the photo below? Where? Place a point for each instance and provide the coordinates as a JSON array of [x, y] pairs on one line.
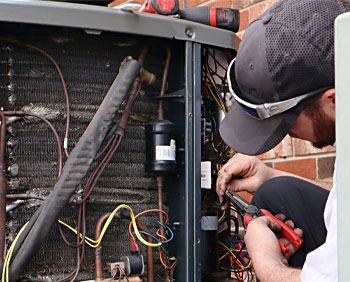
[[149, 251], [142, 55], [98, 249], [127, 109], [160, 215], [161, 117], [164, 81], [24, 196], [3, 184]]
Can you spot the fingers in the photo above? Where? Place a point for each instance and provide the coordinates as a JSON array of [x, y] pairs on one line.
[[224, 182], [291, 248], [274, 226], [280, 216], [225, 205], [299, 232]]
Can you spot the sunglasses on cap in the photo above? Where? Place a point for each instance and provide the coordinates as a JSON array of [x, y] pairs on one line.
[[266, 110]]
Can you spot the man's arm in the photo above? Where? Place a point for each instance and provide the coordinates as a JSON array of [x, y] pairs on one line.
[[323, 184], [247, 173], [269, 263]]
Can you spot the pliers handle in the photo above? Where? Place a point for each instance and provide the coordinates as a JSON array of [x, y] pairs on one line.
[[286, 231], [250, 212]]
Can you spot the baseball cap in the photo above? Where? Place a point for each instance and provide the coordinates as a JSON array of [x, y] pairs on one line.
[[285, 53]]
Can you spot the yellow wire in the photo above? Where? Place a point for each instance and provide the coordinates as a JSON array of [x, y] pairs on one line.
[[222, 217], [97, 242], [237, 261], [221, 104], [5, 270]]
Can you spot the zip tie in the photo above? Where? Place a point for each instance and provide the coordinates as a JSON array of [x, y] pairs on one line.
[[65, 143]]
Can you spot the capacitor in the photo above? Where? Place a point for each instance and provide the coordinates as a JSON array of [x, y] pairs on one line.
[[160, 147]]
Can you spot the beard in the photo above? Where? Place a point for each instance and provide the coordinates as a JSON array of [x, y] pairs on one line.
[[323, 126]]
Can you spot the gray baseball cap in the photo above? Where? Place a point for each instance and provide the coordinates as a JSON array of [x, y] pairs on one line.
[[285, 57]]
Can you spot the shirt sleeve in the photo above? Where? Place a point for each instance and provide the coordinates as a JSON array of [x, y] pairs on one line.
[[321, 265]]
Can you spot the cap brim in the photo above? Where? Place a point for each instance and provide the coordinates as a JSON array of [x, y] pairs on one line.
[[250, 136]]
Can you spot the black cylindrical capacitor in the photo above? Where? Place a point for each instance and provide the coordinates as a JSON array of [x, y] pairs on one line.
[[160, 147]]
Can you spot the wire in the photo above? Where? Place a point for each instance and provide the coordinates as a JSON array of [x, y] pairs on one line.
[[222, 217], [65, 143], [5, 271], [234, 256], [147, 211], [157, 239], [95, 243], [21, 114], [163, 263]]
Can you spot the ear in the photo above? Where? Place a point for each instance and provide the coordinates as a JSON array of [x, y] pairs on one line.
[[328, 98]]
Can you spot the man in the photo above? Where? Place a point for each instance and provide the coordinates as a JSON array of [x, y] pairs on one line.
[[282, 81]]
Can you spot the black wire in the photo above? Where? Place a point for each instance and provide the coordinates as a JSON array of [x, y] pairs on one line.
[[241, 216]]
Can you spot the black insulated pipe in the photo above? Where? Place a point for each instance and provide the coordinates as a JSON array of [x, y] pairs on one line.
[[76, 166]]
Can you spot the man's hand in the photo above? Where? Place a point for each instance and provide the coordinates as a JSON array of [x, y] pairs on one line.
[[242, 173], [264, 250], [291, 249]]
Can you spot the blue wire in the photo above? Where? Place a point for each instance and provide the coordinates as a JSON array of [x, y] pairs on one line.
[[171, 232], [244, 250], [157, 239]]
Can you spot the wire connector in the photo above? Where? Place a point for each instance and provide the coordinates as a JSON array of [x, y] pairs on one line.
[[133, 245]]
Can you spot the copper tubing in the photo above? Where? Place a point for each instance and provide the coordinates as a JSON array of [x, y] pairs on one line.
[[3, 183], [98, 249], [149, 251], [161, 117], [142, 55], [164, 81]]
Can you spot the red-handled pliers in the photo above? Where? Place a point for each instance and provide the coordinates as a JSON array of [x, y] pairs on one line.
[[250, 212]]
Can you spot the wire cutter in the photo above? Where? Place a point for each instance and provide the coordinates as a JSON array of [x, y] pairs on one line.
[[250, 212]]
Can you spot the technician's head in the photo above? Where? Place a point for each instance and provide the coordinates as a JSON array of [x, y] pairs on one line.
[[285, 59]]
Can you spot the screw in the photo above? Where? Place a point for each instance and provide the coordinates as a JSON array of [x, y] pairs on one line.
[[189, 32]]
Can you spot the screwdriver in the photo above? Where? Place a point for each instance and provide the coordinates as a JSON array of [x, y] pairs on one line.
[[224, 18], [217, 17]]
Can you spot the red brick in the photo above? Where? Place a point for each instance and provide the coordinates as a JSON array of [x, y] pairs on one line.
[[243, 20], [256, 10], [192, 3], [182, 4], [325, 167], [218, 3], [305, 167], [282, 150], [242, 4], [302, 148], [245, 195]]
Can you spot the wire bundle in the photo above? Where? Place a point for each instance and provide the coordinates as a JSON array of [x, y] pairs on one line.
[[239, 261], [160, 238], [214, 88], [95, 243]]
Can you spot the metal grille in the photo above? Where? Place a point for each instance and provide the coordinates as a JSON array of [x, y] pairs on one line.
[[29, 82]]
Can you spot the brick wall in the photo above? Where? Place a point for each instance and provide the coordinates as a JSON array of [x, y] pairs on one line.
[[291, 155]]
